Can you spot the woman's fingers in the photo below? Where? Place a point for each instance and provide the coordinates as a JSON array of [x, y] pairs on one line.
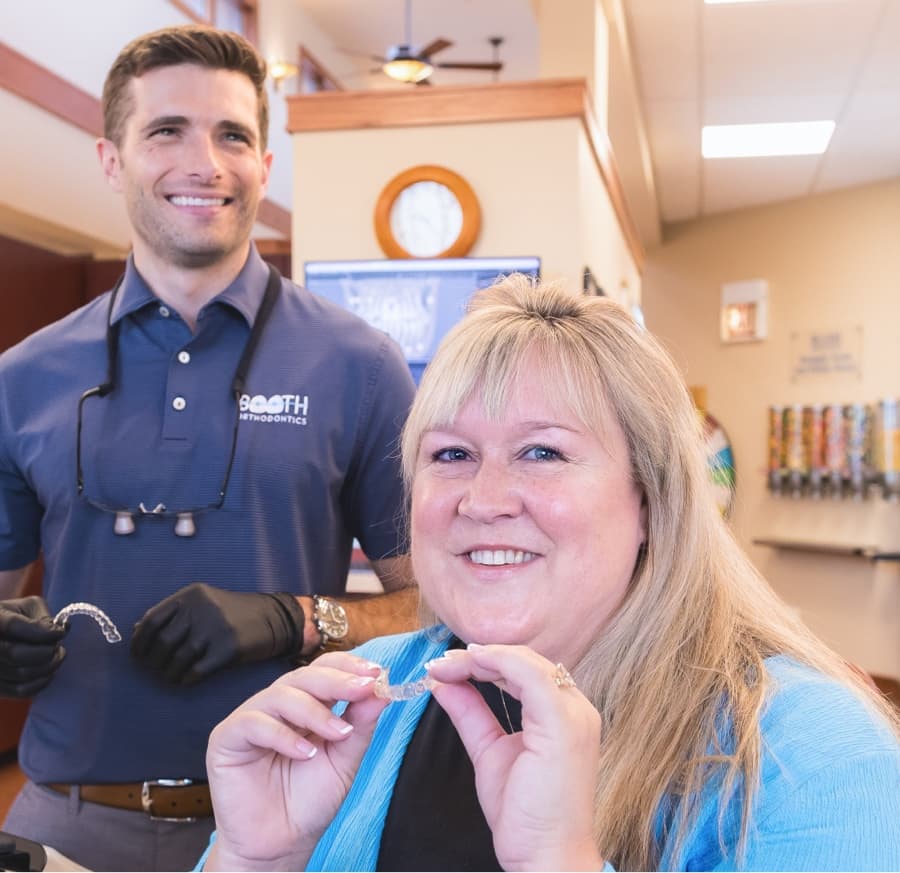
[[551, 707], [536, 787], [289, 714], [476, 725]]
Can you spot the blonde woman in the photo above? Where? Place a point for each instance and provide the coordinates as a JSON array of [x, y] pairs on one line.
[[612, 683]]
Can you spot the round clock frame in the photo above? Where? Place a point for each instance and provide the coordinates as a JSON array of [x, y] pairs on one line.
[[458, 187]]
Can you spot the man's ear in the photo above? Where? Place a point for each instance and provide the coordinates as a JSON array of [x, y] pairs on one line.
[[266, 171], [110, 162]]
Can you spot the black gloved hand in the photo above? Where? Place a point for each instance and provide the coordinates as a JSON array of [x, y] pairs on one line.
[[201, 629], [30, 649]]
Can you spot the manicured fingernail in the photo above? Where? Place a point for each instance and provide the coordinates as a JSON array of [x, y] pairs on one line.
[[361, 681], [306, 748], [340, 726], [474, 646], [371, 665]]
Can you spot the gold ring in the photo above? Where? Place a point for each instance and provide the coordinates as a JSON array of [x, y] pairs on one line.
[[562, 678]]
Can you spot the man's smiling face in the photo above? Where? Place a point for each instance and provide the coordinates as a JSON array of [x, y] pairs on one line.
[[190, 164]]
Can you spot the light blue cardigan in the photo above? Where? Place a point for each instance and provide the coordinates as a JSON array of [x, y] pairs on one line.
[[354, 836], [829, 795]]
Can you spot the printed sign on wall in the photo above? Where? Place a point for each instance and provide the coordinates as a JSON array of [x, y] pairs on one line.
[[829, 353]]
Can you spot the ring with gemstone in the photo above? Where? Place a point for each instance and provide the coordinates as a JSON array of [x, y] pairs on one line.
[[562, 678]]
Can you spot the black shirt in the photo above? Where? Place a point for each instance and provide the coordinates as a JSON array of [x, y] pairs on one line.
[[434, 821]]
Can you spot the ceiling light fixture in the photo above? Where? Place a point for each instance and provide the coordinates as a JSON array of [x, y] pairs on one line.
[[404, 65], [766, 140]]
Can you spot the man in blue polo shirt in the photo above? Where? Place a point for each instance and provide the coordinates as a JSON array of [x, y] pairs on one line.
[[193, 453]]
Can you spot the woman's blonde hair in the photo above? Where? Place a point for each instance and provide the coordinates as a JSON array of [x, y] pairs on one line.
[[684, 653]]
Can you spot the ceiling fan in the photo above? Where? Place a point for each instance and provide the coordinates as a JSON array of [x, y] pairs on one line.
[[408, 63]]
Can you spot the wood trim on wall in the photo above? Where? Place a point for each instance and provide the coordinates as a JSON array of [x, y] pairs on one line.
[[310, 68], [48, 91], [419, 107], [503, 101], [273, 247], [273, 215], [38, 85]]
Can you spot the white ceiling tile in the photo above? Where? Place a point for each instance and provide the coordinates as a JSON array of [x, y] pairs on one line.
[[739, 182], [778, 48], [881, 68], [849, 173], [776, 108], [865, 145]]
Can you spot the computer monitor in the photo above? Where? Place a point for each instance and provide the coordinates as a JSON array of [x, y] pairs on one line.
[[415, 301]]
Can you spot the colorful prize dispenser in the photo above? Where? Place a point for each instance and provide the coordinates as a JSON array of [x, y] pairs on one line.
[[814, 447], [858, 419], [795, 456], [887, 449], [776, 448], [835, 448]]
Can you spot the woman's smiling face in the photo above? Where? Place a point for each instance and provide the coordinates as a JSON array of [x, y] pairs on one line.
[[526, 529]]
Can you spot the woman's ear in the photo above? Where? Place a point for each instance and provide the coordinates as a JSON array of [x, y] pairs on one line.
[[642, 520]]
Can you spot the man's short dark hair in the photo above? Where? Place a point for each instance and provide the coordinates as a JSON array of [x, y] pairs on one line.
[[186, 44]]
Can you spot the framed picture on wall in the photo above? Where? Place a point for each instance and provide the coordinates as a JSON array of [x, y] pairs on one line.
[[589, 284]]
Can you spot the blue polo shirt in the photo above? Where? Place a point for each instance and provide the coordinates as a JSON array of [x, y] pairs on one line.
[[316, 465]]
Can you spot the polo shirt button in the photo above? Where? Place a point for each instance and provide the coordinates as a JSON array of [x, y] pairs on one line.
[[164, 311], [184, 357], [179, 403]]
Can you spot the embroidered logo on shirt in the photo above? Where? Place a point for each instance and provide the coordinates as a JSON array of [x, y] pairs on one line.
[[277, 409]]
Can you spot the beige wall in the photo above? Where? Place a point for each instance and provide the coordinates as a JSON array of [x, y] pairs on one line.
[[539, 190], [832, 262]]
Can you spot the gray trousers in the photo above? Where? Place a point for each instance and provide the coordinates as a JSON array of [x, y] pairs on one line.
[[104, 838]]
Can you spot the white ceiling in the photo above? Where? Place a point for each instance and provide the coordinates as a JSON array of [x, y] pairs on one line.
[[779, 60], [367, 28]]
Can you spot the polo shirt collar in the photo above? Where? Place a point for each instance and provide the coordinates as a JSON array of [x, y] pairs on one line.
[[244, 294]]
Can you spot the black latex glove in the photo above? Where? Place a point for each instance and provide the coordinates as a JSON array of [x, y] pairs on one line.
[[202, 629], [30, 649]]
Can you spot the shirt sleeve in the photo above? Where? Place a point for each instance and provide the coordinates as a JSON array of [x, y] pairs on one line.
[[373, 500], [842, 817]]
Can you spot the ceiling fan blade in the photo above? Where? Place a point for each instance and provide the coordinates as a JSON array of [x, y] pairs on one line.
[[435, 46], [496, 66], [368, 55]]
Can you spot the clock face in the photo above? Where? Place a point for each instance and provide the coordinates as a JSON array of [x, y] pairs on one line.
[[426, 218]]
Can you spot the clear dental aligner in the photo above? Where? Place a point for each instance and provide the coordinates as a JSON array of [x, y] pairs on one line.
[[110, 631], [406, 691]]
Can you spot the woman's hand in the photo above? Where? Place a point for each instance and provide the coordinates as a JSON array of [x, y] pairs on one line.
[[536, 787], [281, 764]]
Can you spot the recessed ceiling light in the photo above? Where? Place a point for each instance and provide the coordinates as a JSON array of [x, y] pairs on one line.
[[765, 140]]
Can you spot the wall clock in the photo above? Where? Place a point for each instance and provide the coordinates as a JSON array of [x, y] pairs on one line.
[[427, 212]]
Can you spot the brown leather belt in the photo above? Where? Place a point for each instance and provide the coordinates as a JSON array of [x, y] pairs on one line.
[[165, 799]]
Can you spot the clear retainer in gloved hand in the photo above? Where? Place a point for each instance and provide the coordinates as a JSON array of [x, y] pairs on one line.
[[110, 631]]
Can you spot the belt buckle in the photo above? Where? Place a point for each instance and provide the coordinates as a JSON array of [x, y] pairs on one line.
[[147, 799]]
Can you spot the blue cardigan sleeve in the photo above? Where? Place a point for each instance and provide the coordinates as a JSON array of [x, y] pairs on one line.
[[829, 792]]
